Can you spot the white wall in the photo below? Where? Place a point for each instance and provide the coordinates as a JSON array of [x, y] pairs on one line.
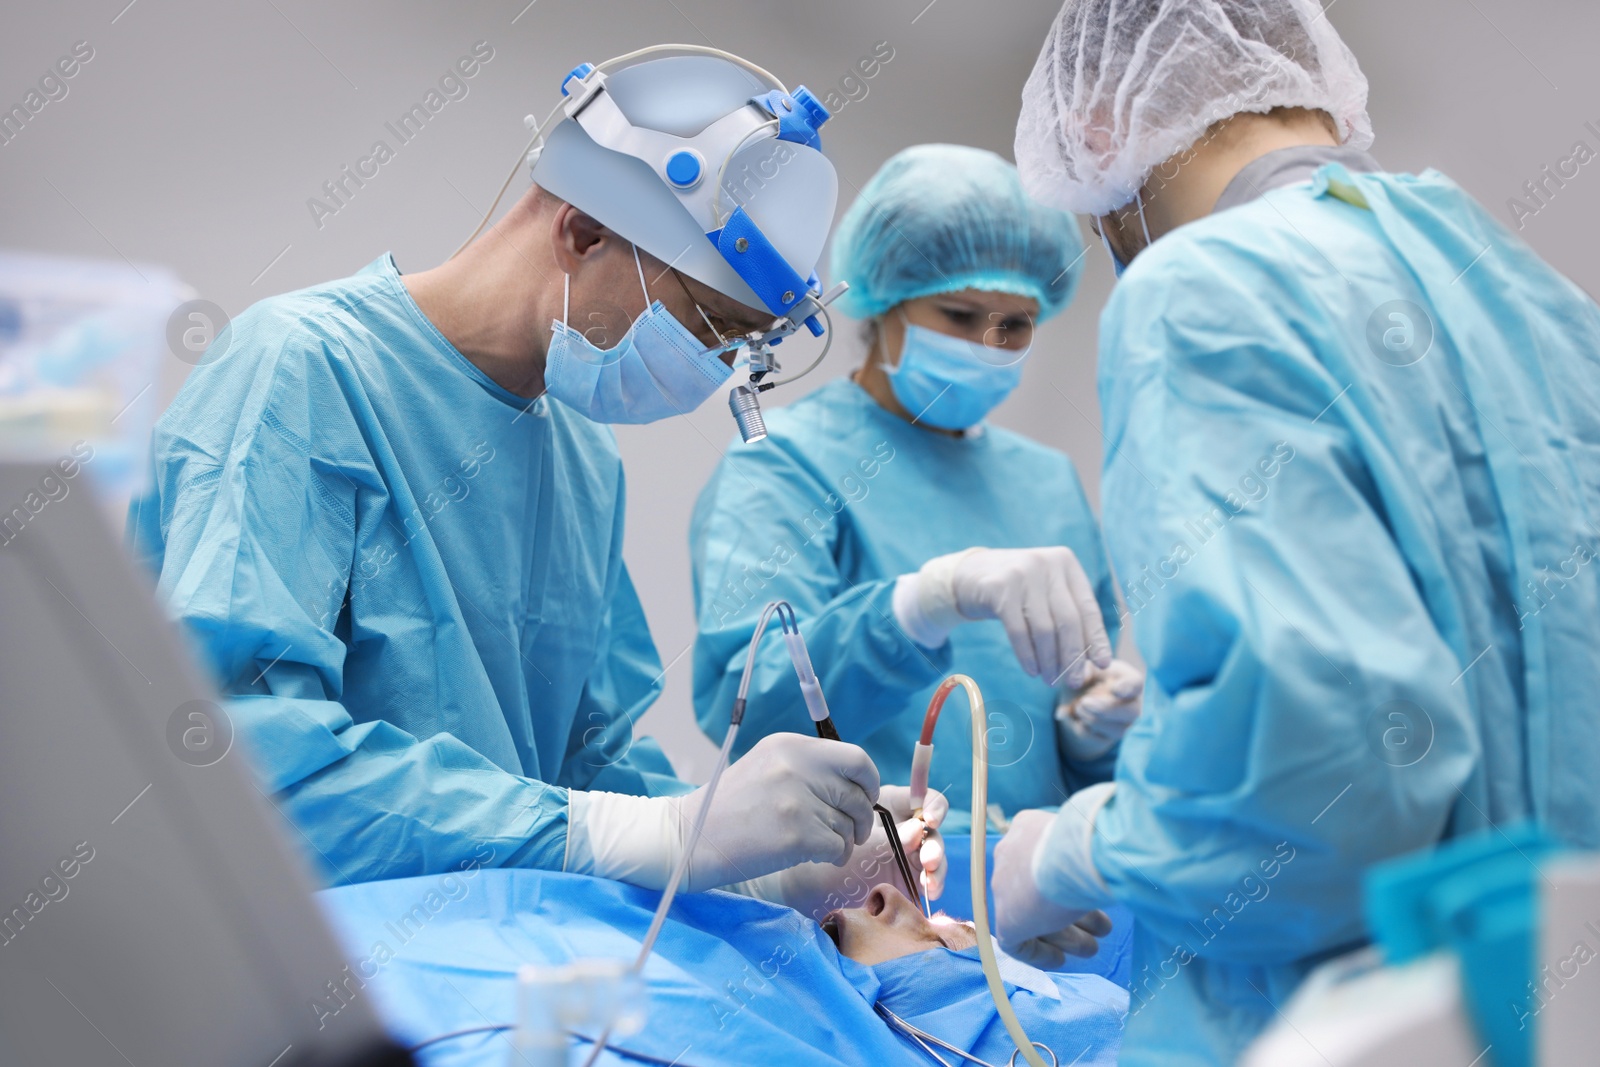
[[197, 133]]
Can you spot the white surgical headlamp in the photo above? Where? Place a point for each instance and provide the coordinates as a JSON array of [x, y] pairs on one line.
[[710, 164]]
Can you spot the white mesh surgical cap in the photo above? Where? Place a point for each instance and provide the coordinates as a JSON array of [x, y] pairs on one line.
[[1122, 85]]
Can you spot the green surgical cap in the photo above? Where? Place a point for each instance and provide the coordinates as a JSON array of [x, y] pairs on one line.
[[938, 218]]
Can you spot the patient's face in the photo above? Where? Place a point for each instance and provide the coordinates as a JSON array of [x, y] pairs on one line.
[[888, 926]]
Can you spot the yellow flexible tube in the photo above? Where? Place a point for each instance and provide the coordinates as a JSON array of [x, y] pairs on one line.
[[980, 881]]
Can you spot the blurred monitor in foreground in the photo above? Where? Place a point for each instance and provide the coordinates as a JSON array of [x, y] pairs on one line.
[[150, 912]]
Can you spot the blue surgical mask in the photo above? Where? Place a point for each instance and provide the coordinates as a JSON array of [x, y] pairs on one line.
[[657, 370], [951, 383], [1117, 266]]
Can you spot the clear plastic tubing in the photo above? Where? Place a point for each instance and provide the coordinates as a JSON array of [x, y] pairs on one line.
[[922, 756]]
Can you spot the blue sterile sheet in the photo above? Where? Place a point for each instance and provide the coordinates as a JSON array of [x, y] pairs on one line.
[[1113, 961], [732, 980]]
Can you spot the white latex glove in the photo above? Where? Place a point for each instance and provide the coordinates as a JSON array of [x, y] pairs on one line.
[[1029, 925], [1096, 717], [815, 889], [1041, 595], [790, 799]]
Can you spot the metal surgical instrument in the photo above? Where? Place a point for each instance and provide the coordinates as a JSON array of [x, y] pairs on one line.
[[817, 705], [925, 1041]]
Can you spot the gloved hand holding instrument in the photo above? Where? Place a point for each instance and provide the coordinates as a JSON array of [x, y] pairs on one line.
[[924, 837], [802, 799]]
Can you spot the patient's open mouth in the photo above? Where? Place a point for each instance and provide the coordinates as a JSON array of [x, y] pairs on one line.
[[830, 926]]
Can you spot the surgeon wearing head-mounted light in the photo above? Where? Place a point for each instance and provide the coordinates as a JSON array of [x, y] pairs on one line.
[[391, 508]]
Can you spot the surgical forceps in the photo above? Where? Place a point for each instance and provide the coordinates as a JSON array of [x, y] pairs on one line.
[[926, 1041], [826, 731]]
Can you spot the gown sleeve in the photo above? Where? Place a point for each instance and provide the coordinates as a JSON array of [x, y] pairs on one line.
[[252, 538], [1301, 721], [753, 540], [603, 752]]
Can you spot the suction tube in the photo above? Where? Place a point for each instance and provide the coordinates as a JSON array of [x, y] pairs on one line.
[[922, 752], [724, 755], [980, 880]]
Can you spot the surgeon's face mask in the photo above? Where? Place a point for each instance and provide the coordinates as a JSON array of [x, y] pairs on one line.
[[950, 382], [1117, 266], [657, 370]]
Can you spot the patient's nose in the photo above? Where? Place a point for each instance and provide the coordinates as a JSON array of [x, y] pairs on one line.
[[887, 903]]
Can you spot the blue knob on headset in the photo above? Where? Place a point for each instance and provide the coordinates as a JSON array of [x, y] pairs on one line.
[[683, 169], [582, 70], [799, 114]]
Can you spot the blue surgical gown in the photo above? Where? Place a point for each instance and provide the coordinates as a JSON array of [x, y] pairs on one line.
[[841, 499], [1351, 492], [409, 580]]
